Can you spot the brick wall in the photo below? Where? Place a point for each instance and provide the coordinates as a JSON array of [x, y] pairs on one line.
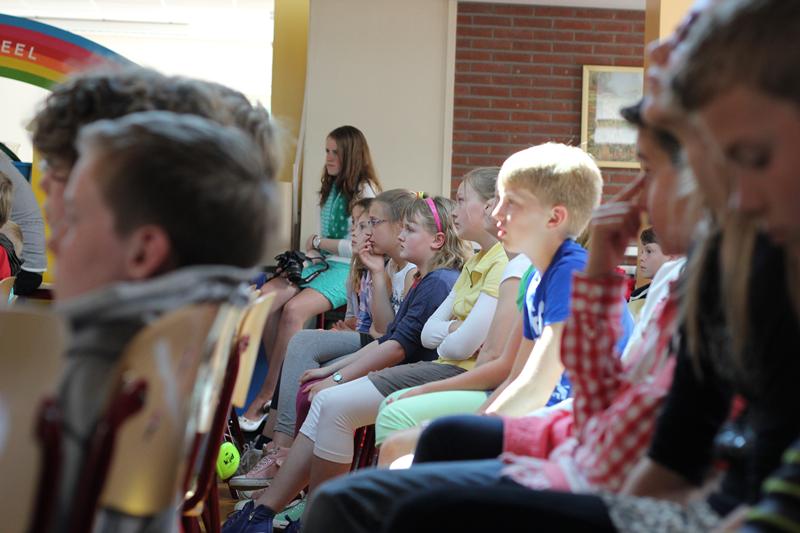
[[518, 77]]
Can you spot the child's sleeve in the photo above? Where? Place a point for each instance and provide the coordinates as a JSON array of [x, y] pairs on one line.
[[424, 299], [437, 327], [557, 295]]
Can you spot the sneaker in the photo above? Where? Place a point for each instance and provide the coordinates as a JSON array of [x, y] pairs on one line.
[[238, 519], [248, 461], [262, 473], [290, 515], [248, 426], [259, 521]]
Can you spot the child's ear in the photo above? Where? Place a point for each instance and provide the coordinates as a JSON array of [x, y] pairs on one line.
[[438, 241], [558, 216], [149, 252]]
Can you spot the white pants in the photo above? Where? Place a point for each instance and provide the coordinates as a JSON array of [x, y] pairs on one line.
[[336, 413]]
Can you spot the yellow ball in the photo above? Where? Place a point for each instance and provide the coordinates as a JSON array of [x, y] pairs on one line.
[[227, 460]]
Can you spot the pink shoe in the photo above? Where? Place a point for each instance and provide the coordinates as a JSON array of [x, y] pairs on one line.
[[262, 473]]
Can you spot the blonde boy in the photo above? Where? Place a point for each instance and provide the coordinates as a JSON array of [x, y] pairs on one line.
[[547, 194]]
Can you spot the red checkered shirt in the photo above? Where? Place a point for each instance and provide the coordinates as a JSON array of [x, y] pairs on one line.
[[615, 407]]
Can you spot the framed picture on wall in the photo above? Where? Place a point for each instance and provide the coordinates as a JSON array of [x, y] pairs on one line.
[[604, 133]]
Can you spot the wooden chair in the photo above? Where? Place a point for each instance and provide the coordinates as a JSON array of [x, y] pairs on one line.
[[33, 342], [250, 332], [6, 285], [137, 455], [203, 500]]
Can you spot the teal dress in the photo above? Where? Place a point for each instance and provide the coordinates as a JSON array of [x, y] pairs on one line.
[[334, 219]]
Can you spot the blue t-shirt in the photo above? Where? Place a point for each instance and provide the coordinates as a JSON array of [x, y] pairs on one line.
[[547, 302], [419, 304]]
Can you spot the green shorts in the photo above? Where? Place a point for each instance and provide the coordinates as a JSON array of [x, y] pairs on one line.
[[332, 283]]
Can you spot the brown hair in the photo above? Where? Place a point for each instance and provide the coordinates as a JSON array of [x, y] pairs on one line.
[[6, 198], [201, 182], [357, 169], [559, 175], [750, 43], [648, 236], [107, 93], [454, 251]]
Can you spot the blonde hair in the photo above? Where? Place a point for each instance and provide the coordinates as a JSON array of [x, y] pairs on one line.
[[557, 174], [6, 198], [483, 181], [357, 267], [395, 201], [454, 251]]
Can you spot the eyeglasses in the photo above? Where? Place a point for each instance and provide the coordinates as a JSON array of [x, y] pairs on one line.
[[375, 221]]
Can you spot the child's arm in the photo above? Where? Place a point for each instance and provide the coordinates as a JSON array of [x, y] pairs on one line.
[[437, 328], [465, 340], [380, 305], [538, 377], [485, 377]]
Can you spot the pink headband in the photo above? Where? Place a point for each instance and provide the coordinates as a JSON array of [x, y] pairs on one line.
[[438, 220]]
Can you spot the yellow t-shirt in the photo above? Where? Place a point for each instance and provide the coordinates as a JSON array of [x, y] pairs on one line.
[[482, 273]]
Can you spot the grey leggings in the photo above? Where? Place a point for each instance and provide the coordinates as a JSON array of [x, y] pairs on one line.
[[308, 348]]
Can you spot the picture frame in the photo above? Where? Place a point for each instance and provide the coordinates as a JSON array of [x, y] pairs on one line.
[[604, 133]]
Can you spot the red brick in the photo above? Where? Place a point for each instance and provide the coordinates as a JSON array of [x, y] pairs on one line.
[[488, 137], [561, 70], [552, 82], [629, 38], [507, 103], [461, 90], [471, 148], [516, 81], [516, 33], [623, 27], [571, 94], [553, 59], [474, 31], [522, 11], [630, 15], [485, 161], [473, 55], [545, 70], [552, 35], [525, 92], [571, 117], [592, 59], [491, 67], [467, 7], [545, 11], [595, 37], [460, 113], [488, 90], [572, 24], [463, 43], [617, 49], [511, 57], [633, 61], [462, 101], [554, 105], [533, 22], [482, 20], [532, 46], [463, 20], [491, 44], [595, 13], [520, 116], [577, 48], [476, 79], [488, 114], [503, 150]]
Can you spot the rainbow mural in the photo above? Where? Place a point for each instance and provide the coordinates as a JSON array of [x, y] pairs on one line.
[[42, 55]]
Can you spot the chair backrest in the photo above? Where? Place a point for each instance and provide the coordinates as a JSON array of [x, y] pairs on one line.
[[149, 454], [251, 330], [32, 342], [6, 284]]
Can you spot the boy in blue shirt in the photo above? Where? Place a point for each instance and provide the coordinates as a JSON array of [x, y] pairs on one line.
[[547, 194]]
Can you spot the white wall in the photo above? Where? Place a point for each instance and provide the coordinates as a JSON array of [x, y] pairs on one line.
[[382, 66], [197, 38]]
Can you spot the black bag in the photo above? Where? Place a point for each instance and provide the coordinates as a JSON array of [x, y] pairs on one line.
[[291, 263]]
